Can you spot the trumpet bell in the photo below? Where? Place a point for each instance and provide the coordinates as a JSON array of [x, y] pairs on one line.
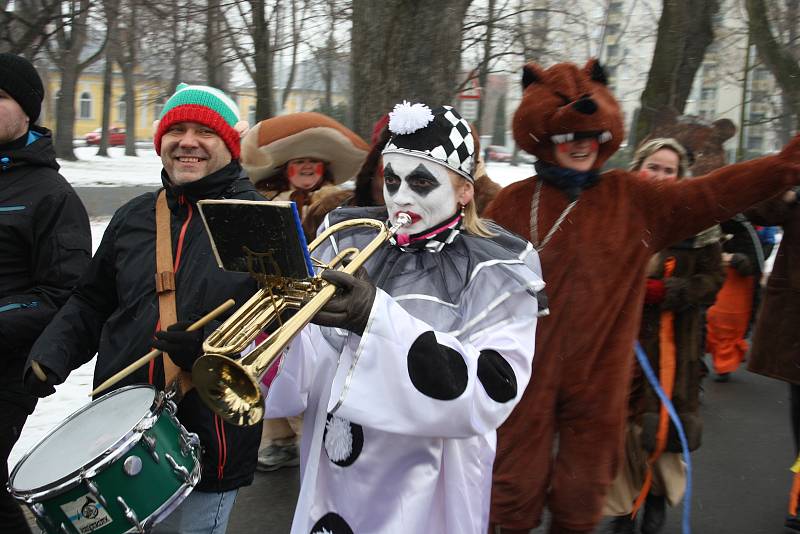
[[229, 389]]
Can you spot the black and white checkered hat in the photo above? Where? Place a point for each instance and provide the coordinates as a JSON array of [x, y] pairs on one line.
[[440, 135]]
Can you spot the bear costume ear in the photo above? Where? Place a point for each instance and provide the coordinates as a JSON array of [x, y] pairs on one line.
[[724, 129], [595, 71], [531, 73]]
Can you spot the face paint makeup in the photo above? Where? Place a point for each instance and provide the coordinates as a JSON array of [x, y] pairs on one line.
[[305, 173], [420, 188]]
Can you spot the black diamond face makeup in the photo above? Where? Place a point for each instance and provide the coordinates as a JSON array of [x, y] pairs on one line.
[[420, 180]]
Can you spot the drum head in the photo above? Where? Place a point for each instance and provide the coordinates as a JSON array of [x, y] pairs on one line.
[[83, 437]]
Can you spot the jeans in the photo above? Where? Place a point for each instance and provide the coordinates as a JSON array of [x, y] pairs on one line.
[[200, 513], [12, 417]]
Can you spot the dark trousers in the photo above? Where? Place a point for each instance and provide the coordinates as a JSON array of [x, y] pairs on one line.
[[794, 410], [12, 418]]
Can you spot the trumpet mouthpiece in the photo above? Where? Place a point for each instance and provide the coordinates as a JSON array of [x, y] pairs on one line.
[[403, 219]]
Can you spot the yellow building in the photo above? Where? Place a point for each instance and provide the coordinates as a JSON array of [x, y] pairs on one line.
[[89, 103], [150, 101]]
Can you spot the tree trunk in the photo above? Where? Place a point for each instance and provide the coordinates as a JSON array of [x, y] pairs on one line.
[[112, 15], [776, 57], [483, 69], [128, 64], [403, 50], [262, 59], [177, 46], [685, 31], [71, 39], [65, 112], [108, 82], [297, 22], [215, 73]]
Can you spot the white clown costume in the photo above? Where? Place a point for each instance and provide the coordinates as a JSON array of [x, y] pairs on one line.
[[399, 431]]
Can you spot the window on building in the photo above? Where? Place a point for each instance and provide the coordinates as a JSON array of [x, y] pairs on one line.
[[612, 50], [251, 114], [121, 109], [612, 29], [615, 7], [755, 143], [708, 93], [85, 107], [760, 73]]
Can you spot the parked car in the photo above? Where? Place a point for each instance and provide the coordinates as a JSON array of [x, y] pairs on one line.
[[497, 153], [116, 137]]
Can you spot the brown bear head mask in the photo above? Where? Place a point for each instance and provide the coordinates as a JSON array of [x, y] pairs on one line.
[[563, 103]]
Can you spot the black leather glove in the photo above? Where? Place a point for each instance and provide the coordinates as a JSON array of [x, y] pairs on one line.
[[350, 306], [183, 347], [37, 387]]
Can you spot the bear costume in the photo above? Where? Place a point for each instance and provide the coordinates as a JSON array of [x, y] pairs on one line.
[[596, 233]]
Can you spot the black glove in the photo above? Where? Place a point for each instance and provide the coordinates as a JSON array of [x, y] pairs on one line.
[[37, 387], [350, 306], [675, 297], [183, 347]]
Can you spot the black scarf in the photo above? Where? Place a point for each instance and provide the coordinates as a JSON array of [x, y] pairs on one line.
[[569, 181]]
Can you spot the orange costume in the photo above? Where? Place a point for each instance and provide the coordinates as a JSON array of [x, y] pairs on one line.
[[594, 264], [727, 322]]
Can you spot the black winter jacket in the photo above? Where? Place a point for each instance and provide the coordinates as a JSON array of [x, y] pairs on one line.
[[114, 312], [45, 245]]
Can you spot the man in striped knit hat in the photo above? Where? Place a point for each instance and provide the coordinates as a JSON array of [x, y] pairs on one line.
[[115, 310]]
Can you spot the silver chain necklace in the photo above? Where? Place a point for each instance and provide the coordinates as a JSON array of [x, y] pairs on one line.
[[535, 216]]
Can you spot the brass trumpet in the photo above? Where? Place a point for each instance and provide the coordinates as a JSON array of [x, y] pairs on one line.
[[231, 387]]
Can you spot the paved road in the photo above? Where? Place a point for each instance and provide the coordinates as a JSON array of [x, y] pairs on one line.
[[104, 201], [741, 472]]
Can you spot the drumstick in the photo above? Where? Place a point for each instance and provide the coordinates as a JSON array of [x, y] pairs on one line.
[[37, 370], [155, 352]]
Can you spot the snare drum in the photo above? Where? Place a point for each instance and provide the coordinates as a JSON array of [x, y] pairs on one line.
[[119, 464]]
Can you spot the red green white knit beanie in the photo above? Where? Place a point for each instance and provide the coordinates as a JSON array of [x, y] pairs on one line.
[[204, 105]]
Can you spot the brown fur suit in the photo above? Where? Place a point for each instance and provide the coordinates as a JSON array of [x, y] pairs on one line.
[[594, 267]]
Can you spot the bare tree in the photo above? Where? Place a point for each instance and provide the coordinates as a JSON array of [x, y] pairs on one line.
[[112, 10], [67, 52], [684, 33], [391, 61], [216, 75], [28, 25], [778, 52], [128, 44]]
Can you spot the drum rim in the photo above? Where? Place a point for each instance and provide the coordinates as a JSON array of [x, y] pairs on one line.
[[119, 448], [176, 499]]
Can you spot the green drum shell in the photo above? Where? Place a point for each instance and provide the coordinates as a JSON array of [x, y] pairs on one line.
[[151, 493]]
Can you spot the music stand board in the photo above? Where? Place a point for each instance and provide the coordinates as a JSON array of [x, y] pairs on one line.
[[257, 237]]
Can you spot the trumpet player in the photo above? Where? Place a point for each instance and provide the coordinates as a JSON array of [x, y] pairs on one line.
[[408, 370]]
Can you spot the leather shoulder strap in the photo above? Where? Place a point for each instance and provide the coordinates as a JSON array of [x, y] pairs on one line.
[[165, 284]]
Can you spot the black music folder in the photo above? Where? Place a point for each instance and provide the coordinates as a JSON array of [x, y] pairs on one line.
[[259, 237]]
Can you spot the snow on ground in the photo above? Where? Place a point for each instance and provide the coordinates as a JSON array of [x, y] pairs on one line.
[[117, 170], [145, 169], [505, 173]]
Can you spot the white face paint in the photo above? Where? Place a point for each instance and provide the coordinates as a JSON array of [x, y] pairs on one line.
[[420, 188]]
